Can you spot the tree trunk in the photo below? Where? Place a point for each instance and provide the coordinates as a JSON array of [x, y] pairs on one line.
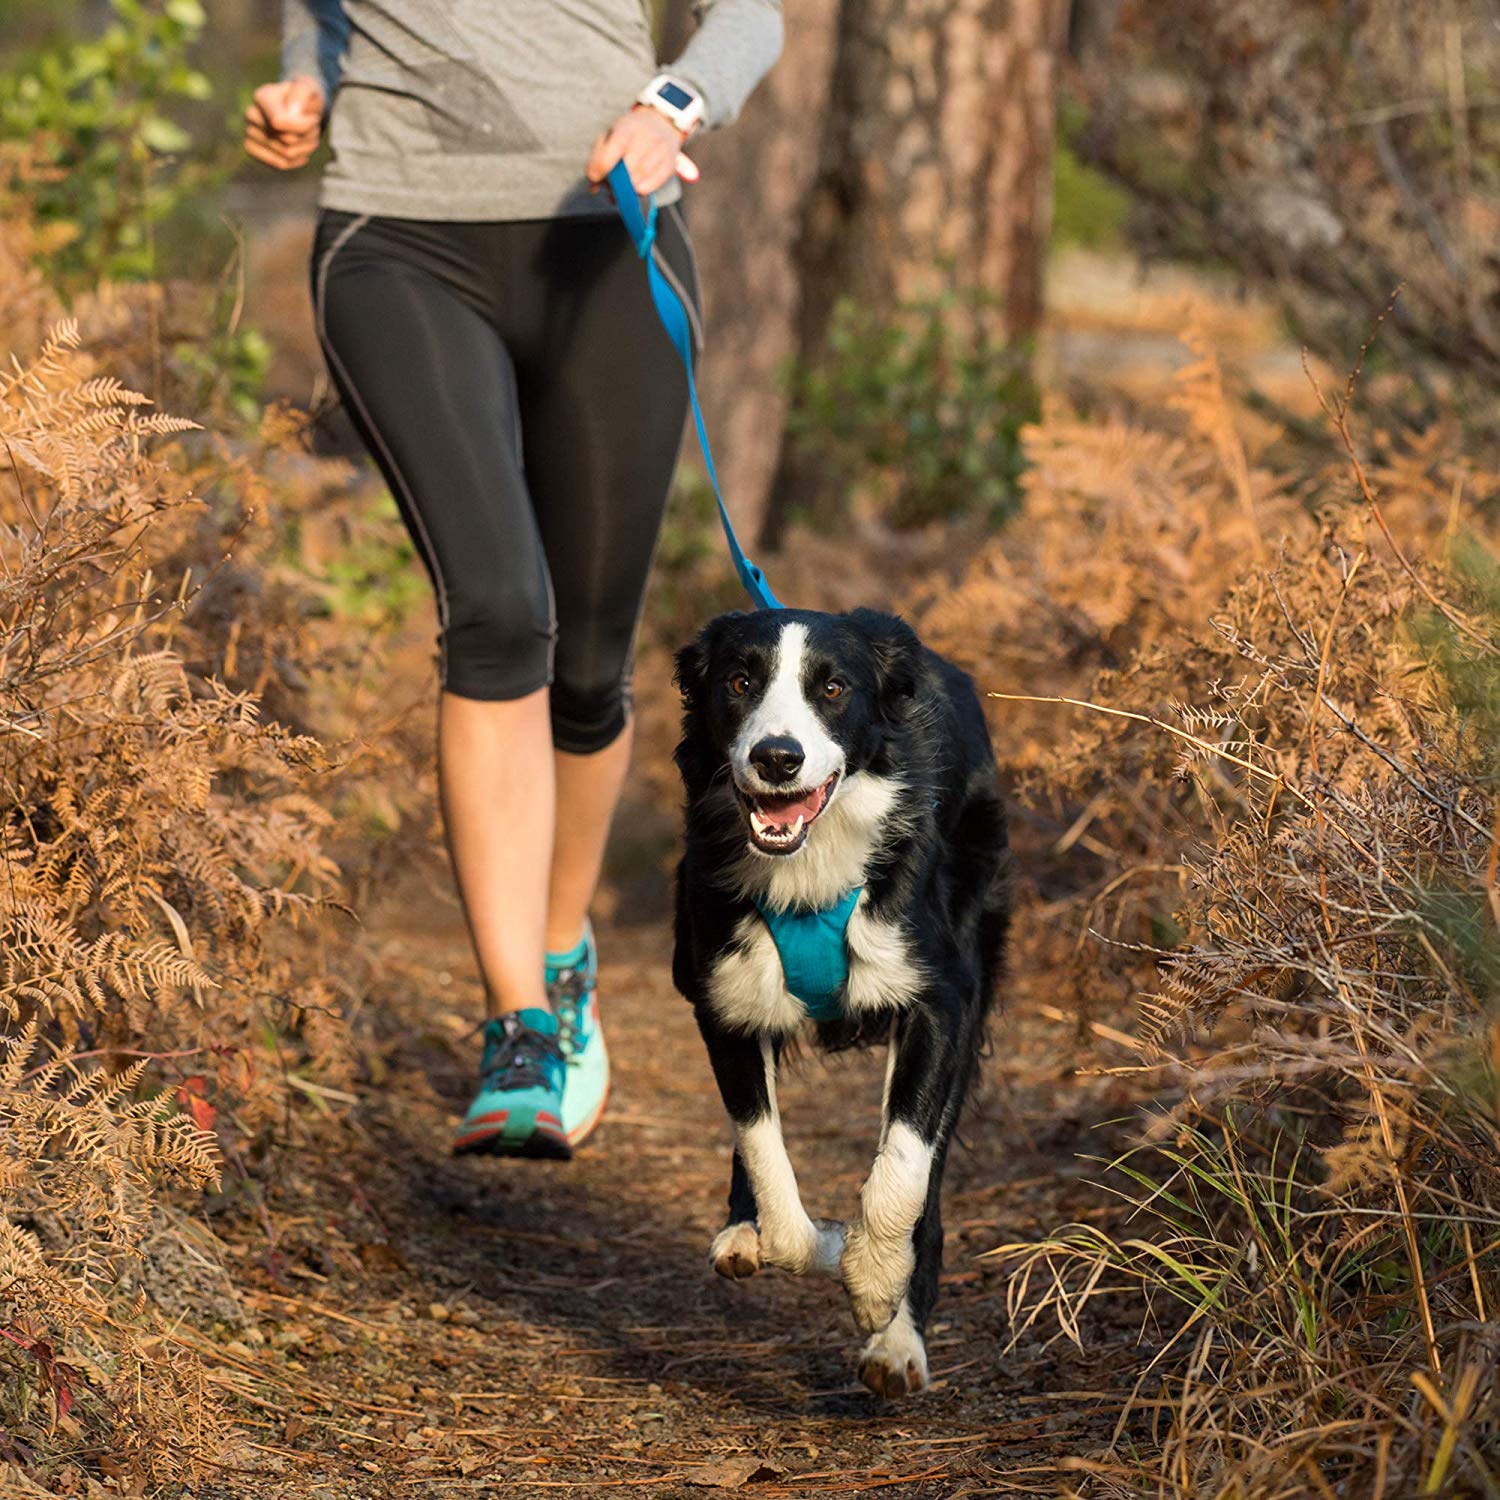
[[745, 217], [934, 176]]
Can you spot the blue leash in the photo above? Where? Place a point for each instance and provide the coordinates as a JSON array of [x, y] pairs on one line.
[[674, 318], [812, 945]]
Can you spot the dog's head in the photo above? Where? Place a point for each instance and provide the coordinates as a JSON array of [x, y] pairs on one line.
[[793, 707]]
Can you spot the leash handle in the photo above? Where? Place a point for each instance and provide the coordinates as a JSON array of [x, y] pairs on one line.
[[641, 227]]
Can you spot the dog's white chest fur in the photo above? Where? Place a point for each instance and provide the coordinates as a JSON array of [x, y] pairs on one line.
[[747, 986]]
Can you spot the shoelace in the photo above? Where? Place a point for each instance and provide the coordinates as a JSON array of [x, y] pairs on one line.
[[566, 995], [515, 1058]]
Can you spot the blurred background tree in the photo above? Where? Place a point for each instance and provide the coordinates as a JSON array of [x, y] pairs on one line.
[[898, 160], [933, 181]]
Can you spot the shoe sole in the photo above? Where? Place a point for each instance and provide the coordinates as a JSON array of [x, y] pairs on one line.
[[539, 1145], [544, 1141]]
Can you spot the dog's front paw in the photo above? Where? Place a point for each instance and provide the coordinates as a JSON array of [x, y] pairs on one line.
[[735, 1252], [871, 1313], [894, 1361]]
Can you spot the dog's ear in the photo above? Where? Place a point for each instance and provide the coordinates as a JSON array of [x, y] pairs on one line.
[[898, 656], [691, 671]]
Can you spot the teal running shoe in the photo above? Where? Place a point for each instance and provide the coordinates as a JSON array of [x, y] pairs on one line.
[[570, 992], [518, 1109]]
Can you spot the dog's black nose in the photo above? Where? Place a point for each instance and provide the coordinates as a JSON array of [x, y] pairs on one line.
[[777, 759]]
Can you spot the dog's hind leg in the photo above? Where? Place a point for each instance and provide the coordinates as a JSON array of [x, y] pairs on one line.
[[745, 1068]]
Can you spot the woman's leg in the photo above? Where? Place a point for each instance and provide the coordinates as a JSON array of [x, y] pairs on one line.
[[603, 422], [589, 787], [428, 383], [495, 770]]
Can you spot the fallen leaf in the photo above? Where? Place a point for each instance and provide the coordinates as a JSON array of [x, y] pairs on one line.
[[733, 1473], [380, 1256], [190, 1095]]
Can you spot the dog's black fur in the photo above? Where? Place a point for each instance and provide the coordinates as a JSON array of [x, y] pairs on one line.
[[915, 815]]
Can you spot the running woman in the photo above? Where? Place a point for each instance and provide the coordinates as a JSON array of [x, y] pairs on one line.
[[487, 323]]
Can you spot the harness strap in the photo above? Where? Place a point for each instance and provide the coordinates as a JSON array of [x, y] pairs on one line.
[[674, 317]]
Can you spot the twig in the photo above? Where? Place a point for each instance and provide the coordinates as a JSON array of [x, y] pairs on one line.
[[1338, 414], [1274, 777], [1492, 867]]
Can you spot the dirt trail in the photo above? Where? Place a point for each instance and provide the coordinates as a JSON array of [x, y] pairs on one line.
[[514, 1328], [427, 1326]]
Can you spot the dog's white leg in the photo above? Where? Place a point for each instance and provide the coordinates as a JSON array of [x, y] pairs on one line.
[[894, 1361], [788, 1237], [879, 1255]]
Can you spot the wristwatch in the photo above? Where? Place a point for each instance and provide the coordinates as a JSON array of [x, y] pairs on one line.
[[675, 100]]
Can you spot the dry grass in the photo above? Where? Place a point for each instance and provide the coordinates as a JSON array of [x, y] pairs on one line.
[[157, 837], [1281, 784]]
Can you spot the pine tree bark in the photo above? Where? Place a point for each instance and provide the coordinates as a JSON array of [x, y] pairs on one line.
[[745, 218], [933, 176]]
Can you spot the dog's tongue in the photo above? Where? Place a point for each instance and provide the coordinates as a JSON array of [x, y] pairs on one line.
[[782, 812]]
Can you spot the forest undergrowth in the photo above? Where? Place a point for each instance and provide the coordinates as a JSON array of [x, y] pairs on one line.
[[170, 921], [1261, 703], [1249, 703]]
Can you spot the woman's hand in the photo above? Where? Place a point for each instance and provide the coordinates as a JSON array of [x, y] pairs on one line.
[[650, 146], [284, 121]]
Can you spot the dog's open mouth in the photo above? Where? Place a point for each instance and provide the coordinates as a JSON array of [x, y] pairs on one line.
[[779, 821]]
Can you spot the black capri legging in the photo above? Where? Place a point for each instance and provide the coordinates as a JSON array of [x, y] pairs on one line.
[[526, 408]]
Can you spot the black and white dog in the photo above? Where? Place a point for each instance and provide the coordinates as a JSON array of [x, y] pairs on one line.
[[824, 754]]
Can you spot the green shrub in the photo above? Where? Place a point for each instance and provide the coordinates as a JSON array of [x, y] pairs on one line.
[[97, 145], [1088, 209], [916, 411]]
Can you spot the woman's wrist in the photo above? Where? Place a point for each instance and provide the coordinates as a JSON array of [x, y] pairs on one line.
[[652, 115], [676, 101]]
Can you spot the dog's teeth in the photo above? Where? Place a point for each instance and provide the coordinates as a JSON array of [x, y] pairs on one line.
[[758, 823], [796, 828]]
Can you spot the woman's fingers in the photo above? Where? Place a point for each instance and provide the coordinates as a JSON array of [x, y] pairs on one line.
[[649, 146], [301, 145], [283, 123], [651, 161], [275, 151], [607, 150], [271, 156]]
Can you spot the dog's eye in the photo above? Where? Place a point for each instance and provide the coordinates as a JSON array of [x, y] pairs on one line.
[[833, 688], [739, 684]]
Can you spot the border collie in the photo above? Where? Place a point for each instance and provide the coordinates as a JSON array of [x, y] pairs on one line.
[[824, 754]]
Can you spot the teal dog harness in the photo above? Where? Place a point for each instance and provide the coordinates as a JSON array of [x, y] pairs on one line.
[[814, 953]]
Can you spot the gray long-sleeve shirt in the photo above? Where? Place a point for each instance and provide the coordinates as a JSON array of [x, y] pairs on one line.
[[486, 109]]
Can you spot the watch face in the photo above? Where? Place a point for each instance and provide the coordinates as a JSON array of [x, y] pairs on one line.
[[675, 95]]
